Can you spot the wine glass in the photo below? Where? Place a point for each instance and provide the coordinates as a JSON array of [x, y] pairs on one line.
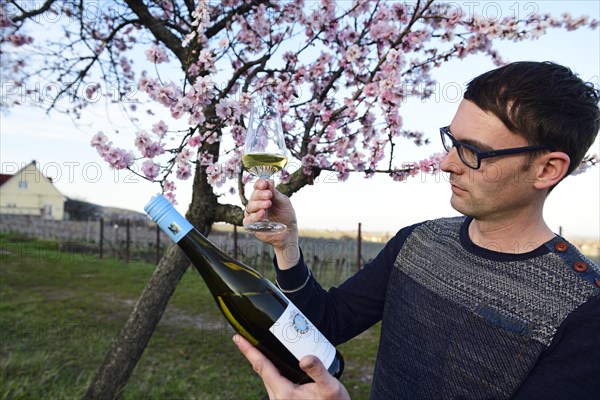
[[265, 152]]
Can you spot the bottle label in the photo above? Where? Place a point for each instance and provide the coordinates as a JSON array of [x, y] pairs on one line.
[[301, 337]]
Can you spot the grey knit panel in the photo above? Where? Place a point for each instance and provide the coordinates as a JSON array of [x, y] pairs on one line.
[[432, 349], [531, 297]]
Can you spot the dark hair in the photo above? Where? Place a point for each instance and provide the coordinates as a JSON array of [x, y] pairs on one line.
[[544, 102]]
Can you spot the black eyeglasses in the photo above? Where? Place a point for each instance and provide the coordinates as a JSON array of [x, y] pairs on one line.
[[472, 157]]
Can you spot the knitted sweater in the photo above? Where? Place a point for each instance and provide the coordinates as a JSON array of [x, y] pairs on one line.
[[460, 321]]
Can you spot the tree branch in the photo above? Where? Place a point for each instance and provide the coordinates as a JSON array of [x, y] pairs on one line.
[[30, 14], [160, 32]]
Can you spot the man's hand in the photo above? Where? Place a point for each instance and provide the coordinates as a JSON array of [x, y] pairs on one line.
[[324, 387], [285, 244]]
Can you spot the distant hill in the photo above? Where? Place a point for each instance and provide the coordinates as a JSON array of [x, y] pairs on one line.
[[78, 210], [377, 237]]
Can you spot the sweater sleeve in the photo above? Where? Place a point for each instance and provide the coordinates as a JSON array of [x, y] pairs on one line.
[[569, 368], [343, 312]]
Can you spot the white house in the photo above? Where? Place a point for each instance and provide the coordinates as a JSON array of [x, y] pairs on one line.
[[28, 192]]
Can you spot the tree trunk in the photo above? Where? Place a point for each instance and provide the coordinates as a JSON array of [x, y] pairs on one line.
[[127, 349]]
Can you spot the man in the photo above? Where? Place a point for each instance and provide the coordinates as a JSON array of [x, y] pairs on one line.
[[492, 305]]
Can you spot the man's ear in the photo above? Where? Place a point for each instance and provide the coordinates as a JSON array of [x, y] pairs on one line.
[[552, 168]]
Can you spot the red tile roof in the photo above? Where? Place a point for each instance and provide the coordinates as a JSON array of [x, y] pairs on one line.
[[4, 178]]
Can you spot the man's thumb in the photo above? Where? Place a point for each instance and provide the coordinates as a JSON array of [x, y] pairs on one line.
[[314, 368]]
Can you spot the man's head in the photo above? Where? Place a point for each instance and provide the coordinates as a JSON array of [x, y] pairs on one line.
[[543, 102]]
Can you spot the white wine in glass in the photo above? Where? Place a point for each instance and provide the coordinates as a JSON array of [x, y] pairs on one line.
[[264, 154]]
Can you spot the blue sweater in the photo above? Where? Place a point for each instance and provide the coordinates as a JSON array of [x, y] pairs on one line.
[[461, 321]]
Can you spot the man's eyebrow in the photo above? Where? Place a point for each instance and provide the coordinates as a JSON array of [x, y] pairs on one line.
[[475, 143]]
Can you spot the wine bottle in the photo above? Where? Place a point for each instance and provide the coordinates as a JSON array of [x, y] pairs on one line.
[[254, 307]]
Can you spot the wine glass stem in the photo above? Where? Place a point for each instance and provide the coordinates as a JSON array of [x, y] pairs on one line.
[[266, 176]]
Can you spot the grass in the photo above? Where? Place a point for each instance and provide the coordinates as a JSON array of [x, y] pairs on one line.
[[60, 311]]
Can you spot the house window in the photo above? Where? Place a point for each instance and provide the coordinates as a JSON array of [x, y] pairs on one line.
[[22, 184], [47, 210]]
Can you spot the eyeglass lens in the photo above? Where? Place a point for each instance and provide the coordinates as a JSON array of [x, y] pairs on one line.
[[467, 155]]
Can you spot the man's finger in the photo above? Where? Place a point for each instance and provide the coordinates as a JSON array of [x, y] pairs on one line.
[[261, 364], [315, 369], [261, 184]]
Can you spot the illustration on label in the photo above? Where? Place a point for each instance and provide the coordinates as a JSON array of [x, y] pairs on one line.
[[301, 337]]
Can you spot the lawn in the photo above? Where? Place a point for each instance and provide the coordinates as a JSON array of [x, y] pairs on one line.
[[60, 311]]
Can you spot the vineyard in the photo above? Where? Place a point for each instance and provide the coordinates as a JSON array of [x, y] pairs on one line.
[[138, 239]]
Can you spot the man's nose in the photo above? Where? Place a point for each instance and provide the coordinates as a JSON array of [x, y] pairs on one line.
[[451, 162]]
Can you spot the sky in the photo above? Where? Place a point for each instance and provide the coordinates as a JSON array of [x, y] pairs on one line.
[[63, 152]]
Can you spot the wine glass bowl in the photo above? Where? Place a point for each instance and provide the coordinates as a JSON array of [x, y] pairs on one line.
[[264, 154]]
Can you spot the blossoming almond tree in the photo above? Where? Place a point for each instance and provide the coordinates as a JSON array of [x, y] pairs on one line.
[[340, 71]]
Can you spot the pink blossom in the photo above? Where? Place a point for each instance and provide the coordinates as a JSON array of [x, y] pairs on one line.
[[322, 161], [194, 141], [119, 158], [90, 90], [197, 117], [356, 159], [146, 146], [205, 158], [239, 135], [146, 84], [371, 89], [167, 95], [183, 171], [18, 40], [188, 38], [99, 139], [214, 173], [184, 156], [169, 186], [284, 176], [342, 170], [308, 162], [126, 67], [153, 149], [383, 30], [141, 140], [206, 60], [204, 87], [399, 175], [427, 166], [160, 128], [233, 167], [341, 146], [171, 197], [194, 69], [245, 102], [228, 110], [182, 106], [156, 54], [352, 54], [539, 29], [211, 137], [150, 169]]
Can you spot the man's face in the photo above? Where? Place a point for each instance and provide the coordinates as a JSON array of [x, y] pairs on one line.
[[502, 186]]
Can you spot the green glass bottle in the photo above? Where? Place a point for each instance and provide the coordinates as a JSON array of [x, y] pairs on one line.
[[254, 307]]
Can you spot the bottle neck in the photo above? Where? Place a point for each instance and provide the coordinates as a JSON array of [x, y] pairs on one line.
[[175, 226], [218, 268]]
